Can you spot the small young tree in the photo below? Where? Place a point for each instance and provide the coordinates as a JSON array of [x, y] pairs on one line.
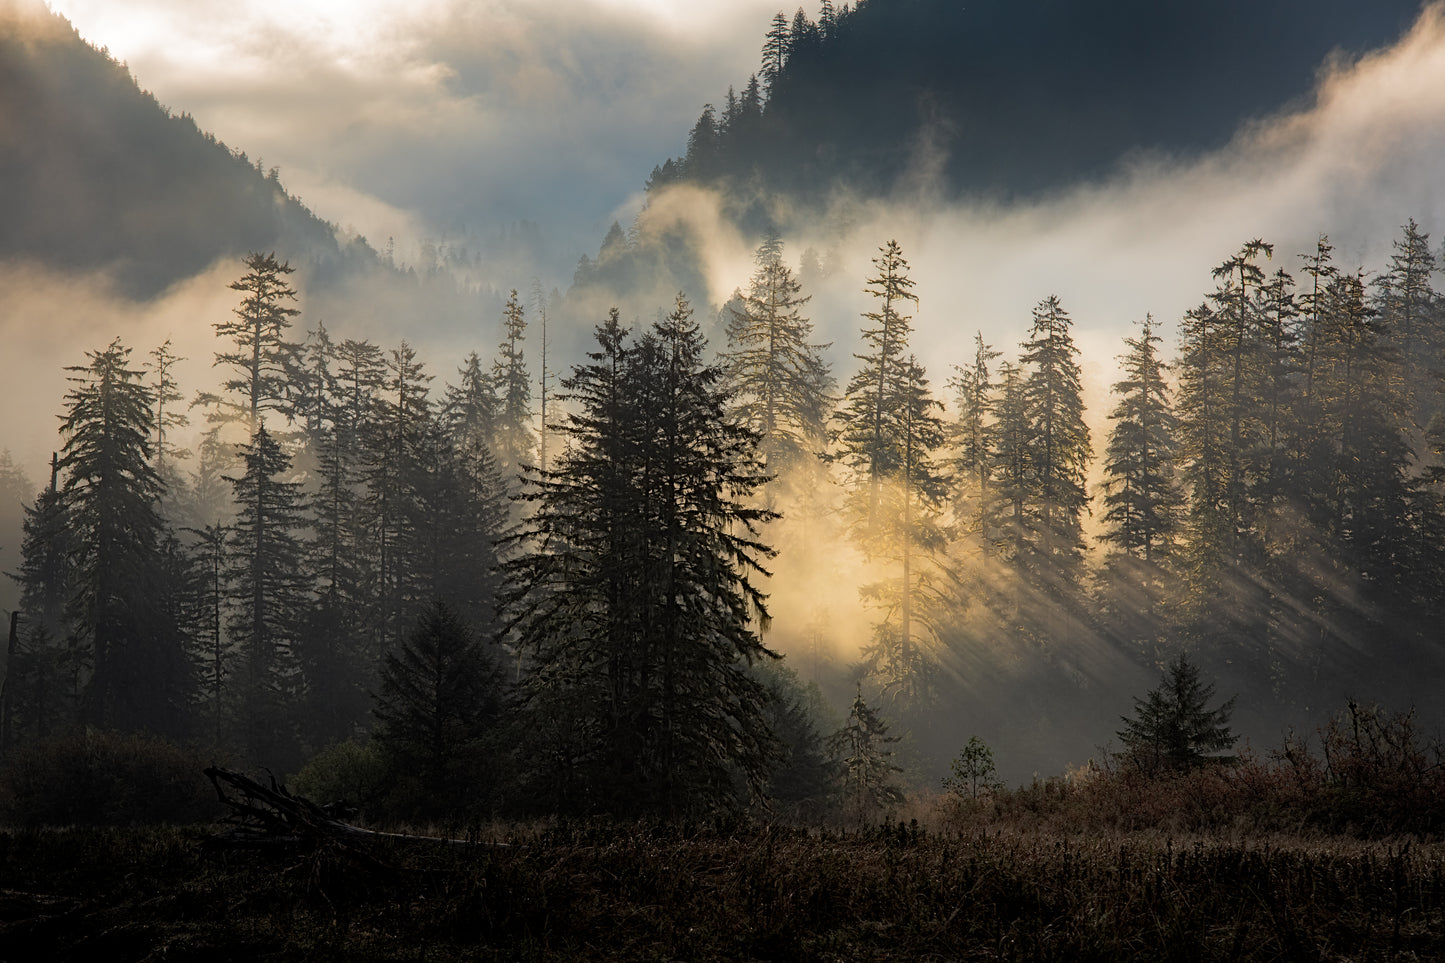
[[801, 781], [973, 772], [210, 645], [1173, 729], [861, 750], [440, 695]]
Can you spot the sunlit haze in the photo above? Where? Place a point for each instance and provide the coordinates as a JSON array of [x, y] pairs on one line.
[[458, 153]]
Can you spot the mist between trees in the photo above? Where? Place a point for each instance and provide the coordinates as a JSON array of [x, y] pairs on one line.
[[680, 579]]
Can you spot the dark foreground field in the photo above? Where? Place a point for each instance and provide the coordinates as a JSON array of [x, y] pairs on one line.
[[594, 894]]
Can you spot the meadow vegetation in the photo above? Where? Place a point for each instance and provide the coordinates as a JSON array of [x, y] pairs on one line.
[[608, 891], [1315, 850]]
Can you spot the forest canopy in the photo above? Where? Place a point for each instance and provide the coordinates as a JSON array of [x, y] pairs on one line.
[[772, 550], [1268, 501]]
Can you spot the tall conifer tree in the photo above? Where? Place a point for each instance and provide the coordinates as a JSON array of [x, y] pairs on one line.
[[397, 434], [139, 676], [470, 406], [1408, 309], [1223, 372], [633, 594], [1142, 497], [1143, 502], [515, 441], [262, 359], [972, 465], [778, 376], [903, 654], [43, 683], [867, 435], [1059, 446], [167, 416], [775, 52], [269, 590], [1010, 506]]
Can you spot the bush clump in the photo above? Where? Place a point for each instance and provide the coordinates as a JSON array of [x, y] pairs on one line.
[[351, 773], [96, 778], [1367, 773]]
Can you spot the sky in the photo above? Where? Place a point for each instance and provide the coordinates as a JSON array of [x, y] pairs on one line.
[[445, 120], [439, 119]]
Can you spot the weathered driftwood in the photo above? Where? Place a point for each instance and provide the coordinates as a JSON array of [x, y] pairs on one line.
[[263, 817]]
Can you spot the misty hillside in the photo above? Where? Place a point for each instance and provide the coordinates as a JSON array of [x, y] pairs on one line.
[[96, 175], [1013, 98], [1009, 101]]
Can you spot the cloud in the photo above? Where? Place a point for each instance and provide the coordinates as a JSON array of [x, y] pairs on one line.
[[443, 120], [463, 115], [1366, 155], [52, 319]]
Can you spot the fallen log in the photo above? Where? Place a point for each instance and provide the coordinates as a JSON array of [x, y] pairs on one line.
[[271, 816]]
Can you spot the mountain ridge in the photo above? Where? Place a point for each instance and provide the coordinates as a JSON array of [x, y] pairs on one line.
[[97, 176], [1020, 98]]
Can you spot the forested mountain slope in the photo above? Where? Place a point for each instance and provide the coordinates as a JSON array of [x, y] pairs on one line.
[[1014, 97], [910, 99], [96, 175]]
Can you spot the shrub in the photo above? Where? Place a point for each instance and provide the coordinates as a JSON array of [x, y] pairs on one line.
[[348, 772], [1379, 775], [1371, 775], [387, 787], [98, 778]]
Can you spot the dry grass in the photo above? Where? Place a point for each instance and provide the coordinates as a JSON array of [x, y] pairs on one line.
[[623, 893]]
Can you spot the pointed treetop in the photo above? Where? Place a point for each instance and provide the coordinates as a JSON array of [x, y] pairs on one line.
[[775, 51]]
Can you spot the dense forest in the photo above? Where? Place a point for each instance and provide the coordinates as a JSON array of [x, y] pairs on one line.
[[1007, 98], [517, 594], [711, 564], [844, 565]]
